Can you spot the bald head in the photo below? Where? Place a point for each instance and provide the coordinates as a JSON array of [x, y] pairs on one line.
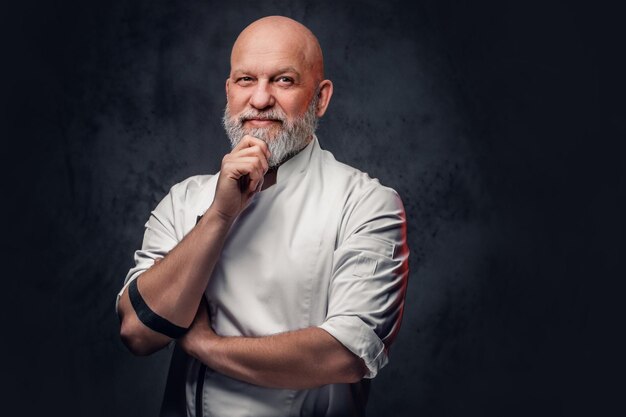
[[276, 89], [274, 35]]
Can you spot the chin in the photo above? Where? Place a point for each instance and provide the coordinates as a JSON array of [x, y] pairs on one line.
[[265, 134]]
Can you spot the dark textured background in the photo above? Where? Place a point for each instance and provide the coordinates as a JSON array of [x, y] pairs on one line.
[[491, 119]]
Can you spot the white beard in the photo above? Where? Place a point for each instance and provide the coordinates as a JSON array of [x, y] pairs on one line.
[[284, 141]]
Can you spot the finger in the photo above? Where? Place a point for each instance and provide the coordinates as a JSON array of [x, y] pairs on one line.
[[249, 141], [254, 151], [246, 165], [246, 142], [248, 183], [236, 168], [255, 186]]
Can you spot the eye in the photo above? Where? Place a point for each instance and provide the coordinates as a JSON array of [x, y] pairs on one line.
[[245, 80], [284, 81]]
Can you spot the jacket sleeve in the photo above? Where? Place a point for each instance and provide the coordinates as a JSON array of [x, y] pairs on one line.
[[369, 276], [159, 238]]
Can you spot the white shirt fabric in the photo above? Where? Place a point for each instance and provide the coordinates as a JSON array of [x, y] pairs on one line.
[[324, 246]]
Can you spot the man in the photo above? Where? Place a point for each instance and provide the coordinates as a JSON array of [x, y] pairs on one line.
[[282, 277]]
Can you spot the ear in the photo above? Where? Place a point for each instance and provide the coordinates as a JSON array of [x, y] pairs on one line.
[[227, 84], [325, 93]]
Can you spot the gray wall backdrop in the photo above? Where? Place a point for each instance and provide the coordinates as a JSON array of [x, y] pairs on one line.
[[487, 117]]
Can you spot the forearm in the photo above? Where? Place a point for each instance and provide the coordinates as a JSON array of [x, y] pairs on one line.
[[301, 359], [173, 287]]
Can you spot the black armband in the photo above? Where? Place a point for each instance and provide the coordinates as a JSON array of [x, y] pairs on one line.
[[149, 317]]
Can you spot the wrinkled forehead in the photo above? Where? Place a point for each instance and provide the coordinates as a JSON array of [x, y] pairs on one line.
[[260, 61], [265, 47]]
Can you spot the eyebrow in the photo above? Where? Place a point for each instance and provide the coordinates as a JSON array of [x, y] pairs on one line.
[[287, 69], [279, 71]]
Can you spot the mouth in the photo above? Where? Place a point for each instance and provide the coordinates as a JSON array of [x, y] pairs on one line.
[[260, 122]]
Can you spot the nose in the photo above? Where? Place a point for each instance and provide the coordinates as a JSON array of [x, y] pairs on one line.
[[262, 97]]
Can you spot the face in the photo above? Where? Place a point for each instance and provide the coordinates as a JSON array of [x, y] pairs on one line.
[[272, 94], [284, 141]]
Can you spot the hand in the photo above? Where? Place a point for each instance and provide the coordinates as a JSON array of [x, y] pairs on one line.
[[241, 176], [200, 332]]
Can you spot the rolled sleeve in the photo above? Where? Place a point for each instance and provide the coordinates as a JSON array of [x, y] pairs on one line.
[[359, 339], [159, 238], [367, 288]]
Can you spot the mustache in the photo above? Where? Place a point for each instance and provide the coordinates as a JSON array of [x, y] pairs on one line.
[[272, 114]]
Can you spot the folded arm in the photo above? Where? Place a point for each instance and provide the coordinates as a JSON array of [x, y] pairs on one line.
[[173, 288], [299, 359]]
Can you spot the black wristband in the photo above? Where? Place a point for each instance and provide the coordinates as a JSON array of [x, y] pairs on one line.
[[149, 317]]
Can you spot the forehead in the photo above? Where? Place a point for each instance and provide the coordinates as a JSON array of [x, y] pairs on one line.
[[269, 51]]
